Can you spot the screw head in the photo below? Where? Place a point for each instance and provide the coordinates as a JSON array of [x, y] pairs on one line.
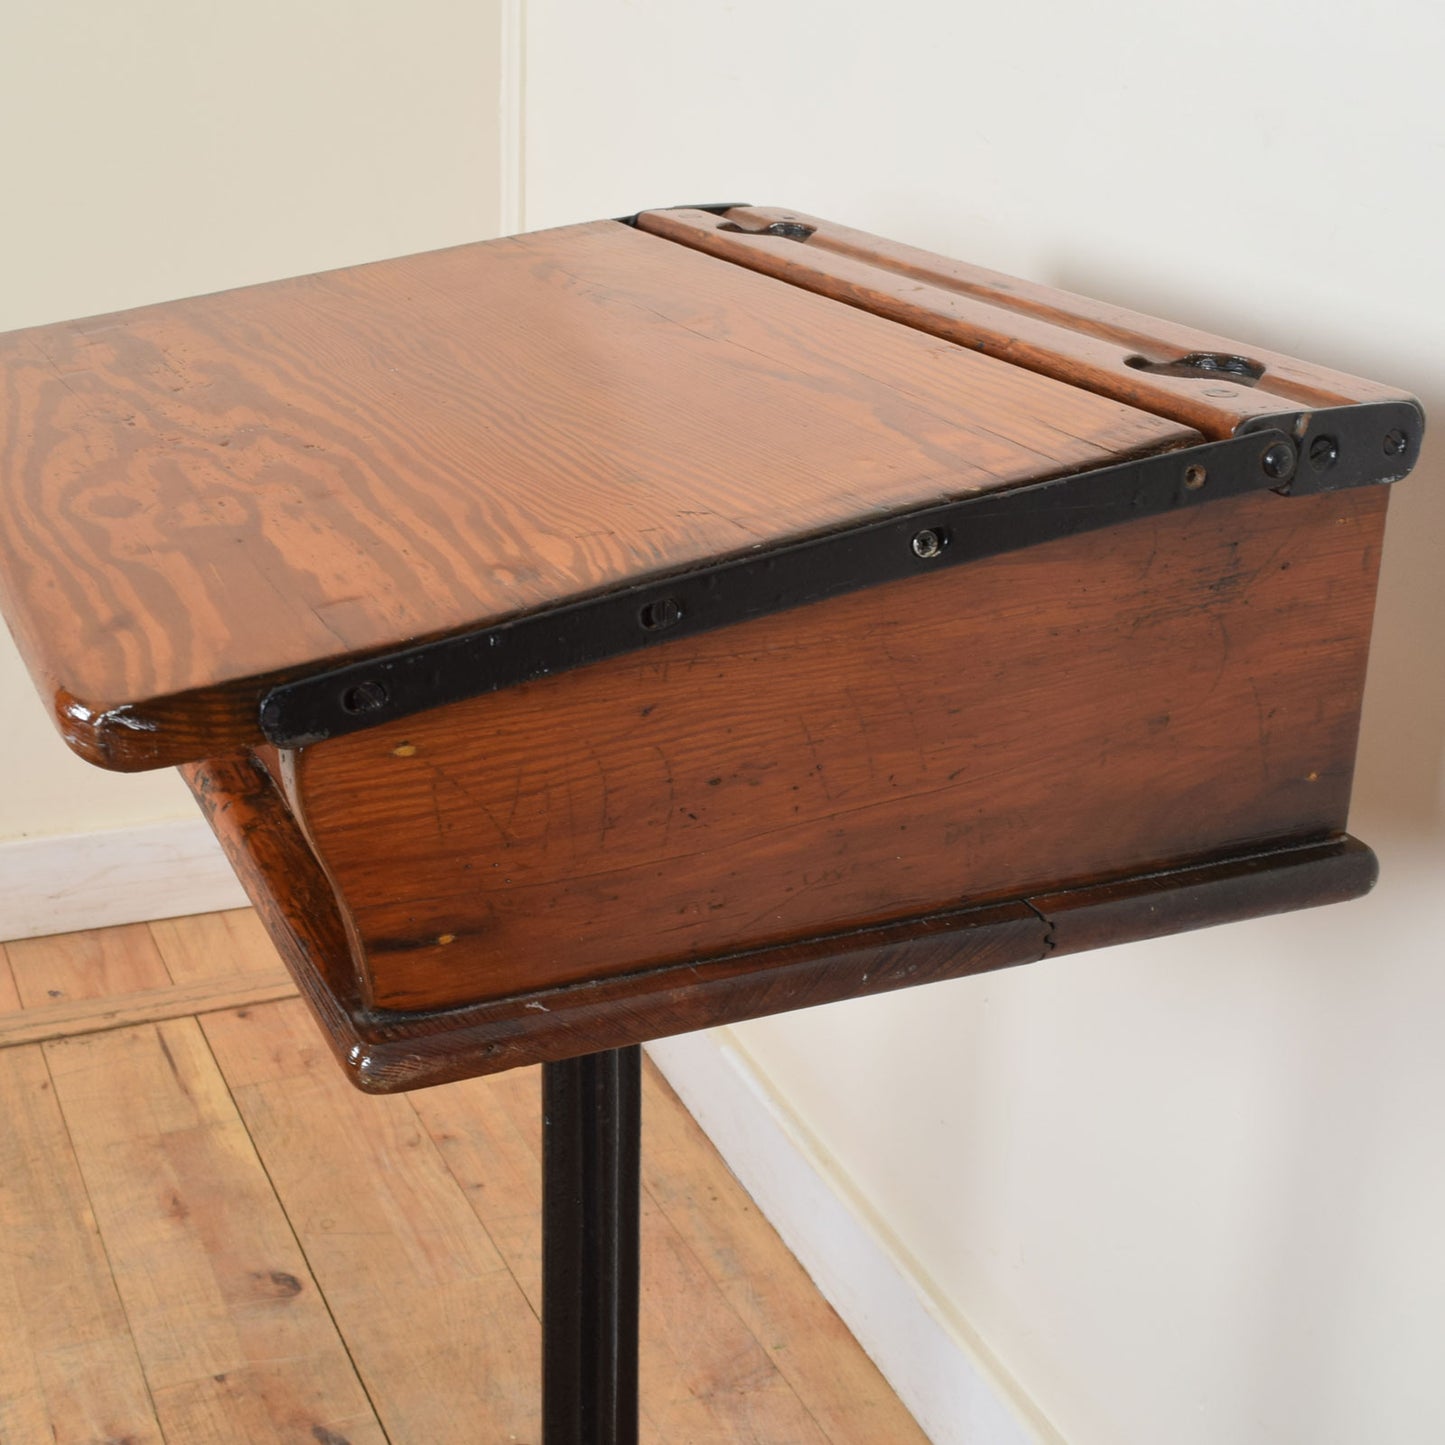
[[927, 543], [1278, 461], [1395, 443], [364, 697], [1324, 452], [1194, 477], [660, 614]]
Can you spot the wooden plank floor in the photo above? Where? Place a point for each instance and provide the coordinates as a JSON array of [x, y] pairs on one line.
[[207, 1237]]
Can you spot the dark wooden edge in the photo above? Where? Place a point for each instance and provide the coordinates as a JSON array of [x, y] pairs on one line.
[[283, 879], [387, 1053], [1252, 885]]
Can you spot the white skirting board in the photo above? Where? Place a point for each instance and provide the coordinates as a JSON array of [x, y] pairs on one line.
[[69, 881], [956, 1392]]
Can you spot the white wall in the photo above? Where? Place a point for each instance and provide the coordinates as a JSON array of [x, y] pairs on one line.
[[160, 148], [1189, 1191]]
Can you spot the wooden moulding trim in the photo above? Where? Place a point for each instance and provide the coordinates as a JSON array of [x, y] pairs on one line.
[[1252, 885], [283, 880], [1070, 338], [390, 1052]]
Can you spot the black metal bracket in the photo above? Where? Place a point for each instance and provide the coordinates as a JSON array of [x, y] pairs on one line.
[[1348, 446], [522, 649]]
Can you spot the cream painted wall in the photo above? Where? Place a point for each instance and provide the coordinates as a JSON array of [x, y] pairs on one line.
[[1189, 1191], [162, 148]]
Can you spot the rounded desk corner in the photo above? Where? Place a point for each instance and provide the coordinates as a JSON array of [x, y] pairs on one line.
[[398, 1066], [119, 738], [368, 1073], [1362, 865], [160, 732]]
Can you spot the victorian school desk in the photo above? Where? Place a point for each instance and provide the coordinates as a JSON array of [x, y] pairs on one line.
[[612, 631]]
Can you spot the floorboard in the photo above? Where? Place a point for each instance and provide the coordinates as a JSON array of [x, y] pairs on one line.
[[78, 966], [68, 1366], [71, 1017], [9, 994], [236, 1342], [212, 1239]]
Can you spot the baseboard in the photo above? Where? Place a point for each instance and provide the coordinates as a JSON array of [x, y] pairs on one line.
[[123, 875], [945, 1377]]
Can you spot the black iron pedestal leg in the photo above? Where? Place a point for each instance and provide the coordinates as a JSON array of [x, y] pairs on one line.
[[591, 1148]]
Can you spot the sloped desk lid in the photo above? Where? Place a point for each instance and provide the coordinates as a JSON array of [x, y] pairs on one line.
[[205, 498]]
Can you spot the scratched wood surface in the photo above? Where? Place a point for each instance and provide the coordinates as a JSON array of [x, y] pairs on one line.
[[215, 1241], [1074, 338], [1103, 704], [200, 497]]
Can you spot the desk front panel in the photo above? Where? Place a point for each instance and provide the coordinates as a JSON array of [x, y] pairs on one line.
[[1173, 689]]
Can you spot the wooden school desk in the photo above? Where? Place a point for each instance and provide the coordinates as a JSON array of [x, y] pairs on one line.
[[597, 634]]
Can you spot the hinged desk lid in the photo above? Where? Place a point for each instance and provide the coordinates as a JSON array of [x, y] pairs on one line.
[[203, 499]]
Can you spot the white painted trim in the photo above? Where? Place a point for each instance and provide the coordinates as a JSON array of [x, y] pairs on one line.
[[958, 1393], [62, 883], [512, 134]]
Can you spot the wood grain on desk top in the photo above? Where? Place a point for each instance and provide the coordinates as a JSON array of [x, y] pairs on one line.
[[201, 498]]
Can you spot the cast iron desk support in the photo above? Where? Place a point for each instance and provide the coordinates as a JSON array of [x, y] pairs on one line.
[[591, 1139], [615, 631]]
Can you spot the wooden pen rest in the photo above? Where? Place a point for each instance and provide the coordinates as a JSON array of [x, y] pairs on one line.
[[621, 630]]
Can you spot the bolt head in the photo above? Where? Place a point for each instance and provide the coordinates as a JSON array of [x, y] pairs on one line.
[[364, 697], [1395, 443], [793, 230], [1278, 461], [927, 543]]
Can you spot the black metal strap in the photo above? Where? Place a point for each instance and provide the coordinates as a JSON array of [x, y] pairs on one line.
[[521, 649]]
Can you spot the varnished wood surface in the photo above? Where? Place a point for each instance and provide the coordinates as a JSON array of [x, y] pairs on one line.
[[213, 1239], [1094, 706], [277, 867], [203, 497], [1085, 342]]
